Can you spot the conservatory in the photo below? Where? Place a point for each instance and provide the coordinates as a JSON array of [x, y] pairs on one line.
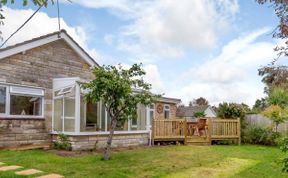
[[73, 116]]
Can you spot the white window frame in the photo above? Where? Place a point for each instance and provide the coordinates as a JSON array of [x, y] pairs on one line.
[[7, 114], [169, 110]]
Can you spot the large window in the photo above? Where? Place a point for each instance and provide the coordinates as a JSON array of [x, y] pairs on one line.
[[25, 105], [18, 101]]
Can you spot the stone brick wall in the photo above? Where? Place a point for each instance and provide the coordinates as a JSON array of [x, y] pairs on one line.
[[89, 142], [173, 109], [15, 132], [38, 67]]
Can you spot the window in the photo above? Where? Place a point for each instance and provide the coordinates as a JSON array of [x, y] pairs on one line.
[[18, 101], [25, 105], [90, 117], [151, 113], [2, 100], [166, 111], [64, 110]]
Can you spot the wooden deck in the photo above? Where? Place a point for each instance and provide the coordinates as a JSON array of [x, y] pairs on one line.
[[181, 130]]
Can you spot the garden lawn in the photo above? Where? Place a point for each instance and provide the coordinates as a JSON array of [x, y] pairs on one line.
[[166, 161]]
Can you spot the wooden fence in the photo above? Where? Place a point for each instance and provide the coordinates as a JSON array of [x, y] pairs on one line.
[[178, 129]]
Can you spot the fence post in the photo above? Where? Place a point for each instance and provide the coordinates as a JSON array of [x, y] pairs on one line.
[[210, 127], [239, 131]]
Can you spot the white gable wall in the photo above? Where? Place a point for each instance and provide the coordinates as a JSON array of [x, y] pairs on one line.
[[209, 112]]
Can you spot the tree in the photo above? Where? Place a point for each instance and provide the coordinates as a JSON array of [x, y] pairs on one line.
[[278, 96], [277, 114], [231, 110], [274, 76], [260, 105], [201, 102], [281, 31], [120, 90], [199, 114]]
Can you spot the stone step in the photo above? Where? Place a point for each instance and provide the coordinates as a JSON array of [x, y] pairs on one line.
[[10, 168], [51, 176], [28, 172]]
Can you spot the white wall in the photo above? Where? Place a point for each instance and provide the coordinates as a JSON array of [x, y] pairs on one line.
[[209, 113]]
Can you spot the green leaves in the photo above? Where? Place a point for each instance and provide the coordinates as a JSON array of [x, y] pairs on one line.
[[25, 2], [278, 96], [119, 89]]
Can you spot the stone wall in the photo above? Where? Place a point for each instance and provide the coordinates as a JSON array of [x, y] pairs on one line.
[[173, 109], [15, 132], [38, 67], [89, 142]]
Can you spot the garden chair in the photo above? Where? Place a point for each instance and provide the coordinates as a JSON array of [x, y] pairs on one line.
[[200, 127]]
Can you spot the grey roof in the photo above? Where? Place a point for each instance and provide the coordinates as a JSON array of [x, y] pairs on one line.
[[45, 36], [188, 111]]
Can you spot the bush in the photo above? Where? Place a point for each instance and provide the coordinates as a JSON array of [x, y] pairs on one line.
[[284, 148], [62, 143], [254, 134]]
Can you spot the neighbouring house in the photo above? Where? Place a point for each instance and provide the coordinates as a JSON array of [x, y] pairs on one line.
[[187, 112], [40, 97]]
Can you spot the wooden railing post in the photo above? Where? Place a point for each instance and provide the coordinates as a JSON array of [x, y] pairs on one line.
[[185, 132], [153, 131], [239, 130], [210, 127]]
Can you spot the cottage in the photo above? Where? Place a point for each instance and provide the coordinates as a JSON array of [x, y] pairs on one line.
[[40, 98], [187, 112]]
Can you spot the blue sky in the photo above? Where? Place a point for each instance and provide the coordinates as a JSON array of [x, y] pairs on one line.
[[189, 48]]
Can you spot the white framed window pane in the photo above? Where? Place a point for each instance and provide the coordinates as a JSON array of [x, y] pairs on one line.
[[69, 114], [25, 105], [90, 117], [2, 99], [58, 115]]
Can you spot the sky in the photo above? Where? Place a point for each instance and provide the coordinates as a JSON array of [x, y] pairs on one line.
[[188, 48]]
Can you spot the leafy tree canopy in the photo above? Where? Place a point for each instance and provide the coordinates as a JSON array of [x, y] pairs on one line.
[[232, 110], [260, 105], [274, 76], [278, 96], [199, 114]]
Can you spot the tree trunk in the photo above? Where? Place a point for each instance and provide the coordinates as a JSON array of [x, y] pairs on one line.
[[107, 149]]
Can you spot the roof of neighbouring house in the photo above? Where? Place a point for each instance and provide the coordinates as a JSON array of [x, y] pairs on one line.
[[188, 111], [45, 39]]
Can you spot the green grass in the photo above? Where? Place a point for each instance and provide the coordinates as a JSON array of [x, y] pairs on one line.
[[170, 161]]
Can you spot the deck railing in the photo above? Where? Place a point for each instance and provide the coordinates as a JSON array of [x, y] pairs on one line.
[[169, 129], [178, 129], [222, 129]]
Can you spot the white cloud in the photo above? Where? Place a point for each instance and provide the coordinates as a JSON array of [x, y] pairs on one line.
[[40, 24], [232, 75], [153, 77], [167, 28]]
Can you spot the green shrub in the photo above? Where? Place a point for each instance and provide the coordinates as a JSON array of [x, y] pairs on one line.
[[62, 143], [284, 148], [254, 134]]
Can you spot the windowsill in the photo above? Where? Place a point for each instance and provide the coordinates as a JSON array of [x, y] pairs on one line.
[[102, 133], [20, 117]]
